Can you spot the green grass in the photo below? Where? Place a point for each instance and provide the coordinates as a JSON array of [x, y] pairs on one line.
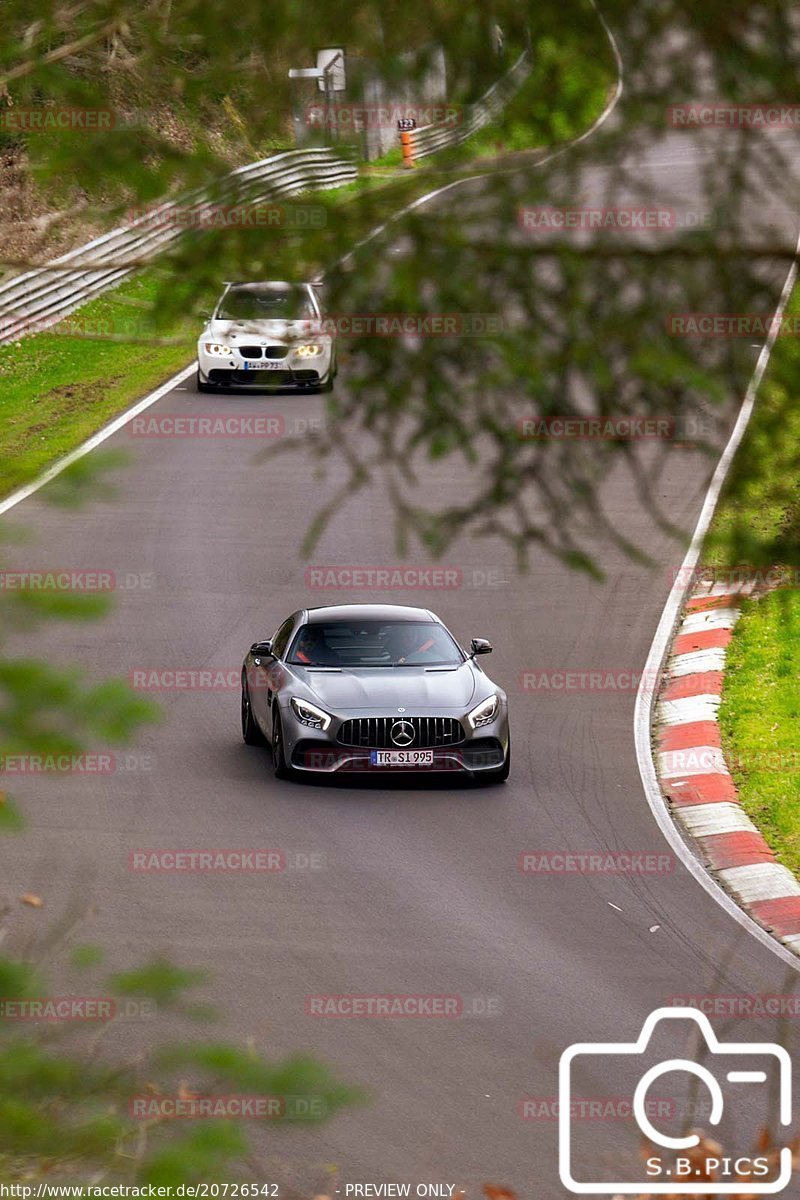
[[530, 119], [758, 518], [757, 525], [392, 158], [59, 387], [582, 84], [760, 718], [56, 389]]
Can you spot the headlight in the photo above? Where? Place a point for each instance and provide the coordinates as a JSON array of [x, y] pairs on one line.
[[310, 350], [484, 714], [215, 348], [309, 714]]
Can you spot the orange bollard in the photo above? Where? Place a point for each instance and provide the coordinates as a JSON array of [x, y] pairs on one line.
[[408, 147]]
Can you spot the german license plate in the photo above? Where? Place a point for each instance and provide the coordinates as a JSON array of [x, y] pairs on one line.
[[270, 364], [402, 758]]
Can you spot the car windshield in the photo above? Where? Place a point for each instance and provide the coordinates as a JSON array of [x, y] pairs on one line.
[[374, 644], [266, 304]]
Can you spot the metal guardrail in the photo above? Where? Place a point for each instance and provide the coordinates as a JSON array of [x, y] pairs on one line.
[[39, 298], [430, 138]]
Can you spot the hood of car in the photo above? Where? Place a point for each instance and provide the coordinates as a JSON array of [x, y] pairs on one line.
[[411, 688], [238, 331]]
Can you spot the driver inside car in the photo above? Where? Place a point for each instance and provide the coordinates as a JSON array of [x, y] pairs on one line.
[[411, 642], [313, 650]]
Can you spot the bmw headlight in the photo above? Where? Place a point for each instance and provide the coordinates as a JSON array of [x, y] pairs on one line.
[[309, 350], [484, 714], [216, 349], [310, 715]]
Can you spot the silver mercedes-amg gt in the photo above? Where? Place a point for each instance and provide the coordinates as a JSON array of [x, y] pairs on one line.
[[374, 688]]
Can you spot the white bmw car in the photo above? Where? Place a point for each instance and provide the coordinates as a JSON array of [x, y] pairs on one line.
[[266, 335]]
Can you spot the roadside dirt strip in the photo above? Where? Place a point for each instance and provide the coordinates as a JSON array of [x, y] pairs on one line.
[[693, 773]]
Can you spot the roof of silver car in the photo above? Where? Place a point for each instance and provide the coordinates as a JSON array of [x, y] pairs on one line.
[[368, 612], [267, 283]]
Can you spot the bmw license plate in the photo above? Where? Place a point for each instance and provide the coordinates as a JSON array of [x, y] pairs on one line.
[[402, 758], [272, 364]]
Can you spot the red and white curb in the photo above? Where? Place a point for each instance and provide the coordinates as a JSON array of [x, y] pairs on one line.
[[694, 776]]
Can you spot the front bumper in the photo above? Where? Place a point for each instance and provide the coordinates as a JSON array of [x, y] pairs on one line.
[[462, 760], [236, 371], [309, 750]]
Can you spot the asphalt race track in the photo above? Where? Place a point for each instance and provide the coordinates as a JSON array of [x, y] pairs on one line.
[[412, 889]]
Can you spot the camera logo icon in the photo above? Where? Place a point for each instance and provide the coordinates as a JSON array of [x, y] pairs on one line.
[[742, 1065]]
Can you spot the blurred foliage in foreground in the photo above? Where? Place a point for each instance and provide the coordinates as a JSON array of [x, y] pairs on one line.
[[70, 1108], [584, 320], [583, 331], [68, 1099]]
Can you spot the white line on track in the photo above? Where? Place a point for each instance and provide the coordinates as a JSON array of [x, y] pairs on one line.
[[94, 441]]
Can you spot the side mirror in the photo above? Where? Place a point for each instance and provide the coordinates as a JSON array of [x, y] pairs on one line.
[[261, 650], [480, 646]]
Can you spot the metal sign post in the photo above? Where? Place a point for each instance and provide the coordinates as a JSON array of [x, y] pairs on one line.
[[330, 76]]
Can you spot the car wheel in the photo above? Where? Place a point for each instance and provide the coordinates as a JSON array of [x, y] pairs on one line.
[[205, 388], [501, 774], [280, 767], [251, 733]]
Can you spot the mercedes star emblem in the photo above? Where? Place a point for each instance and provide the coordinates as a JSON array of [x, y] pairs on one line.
[[402, 733]]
